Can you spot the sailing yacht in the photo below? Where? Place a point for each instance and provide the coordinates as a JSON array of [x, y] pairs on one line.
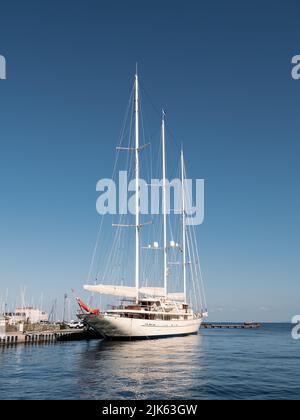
[[145, 312]]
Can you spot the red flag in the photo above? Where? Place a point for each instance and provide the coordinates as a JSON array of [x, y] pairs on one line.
[[86, 308]]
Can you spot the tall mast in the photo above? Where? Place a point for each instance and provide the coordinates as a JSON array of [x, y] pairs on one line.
[[164, 204], [137, 193], [183, 225]]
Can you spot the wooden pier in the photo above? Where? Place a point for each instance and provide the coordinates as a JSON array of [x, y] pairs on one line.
[[229, 326], [47, 337]]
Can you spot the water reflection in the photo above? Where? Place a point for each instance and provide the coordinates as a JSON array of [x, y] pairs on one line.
[[136, 369], [216, 364]]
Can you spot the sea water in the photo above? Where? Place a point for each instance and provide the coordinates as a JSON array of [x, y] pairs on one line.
[[216, 364]]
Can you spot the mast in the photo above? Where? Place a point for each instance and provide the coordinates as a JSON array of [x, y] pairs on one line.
[[137, 193], [164, 204], [183, 226]]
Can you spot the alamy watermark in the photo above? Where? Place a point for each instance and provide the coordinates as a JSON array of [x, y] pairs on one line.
[[296, 67], [296, 329], [122, 199], [2, 67]]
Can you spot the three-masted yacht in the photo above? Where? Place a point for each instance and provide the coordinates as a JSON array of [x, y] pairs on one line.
[[145, 312]]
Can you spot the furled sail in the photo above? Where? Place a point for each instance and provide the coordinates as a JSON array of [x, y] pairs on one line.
[[160, 292], [152, 291], [124, 291], [130, 292]]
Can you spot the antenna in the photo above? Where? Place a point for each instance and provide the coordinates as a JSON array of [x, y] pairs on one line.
[[42, 301], [183, 225], [23, 297], [137, 194], [64, 311], [164, 202]]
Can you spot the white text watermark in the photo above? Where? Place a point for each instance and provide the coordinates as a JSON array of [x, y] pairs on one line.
[[296, 67], [121, 199], [296, 329], [2, 67]]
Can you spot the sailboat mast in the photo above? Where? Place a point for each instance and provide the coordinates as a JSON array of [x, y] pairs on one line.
[[183, 225], [164, 204], [137, 177]]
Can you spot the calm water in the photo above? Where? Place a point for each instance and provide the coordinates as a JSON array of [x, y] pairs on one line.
[[217, 364]]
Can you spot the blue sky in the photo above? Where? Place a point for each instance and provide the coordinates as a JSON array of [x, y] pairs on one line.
[[222, 70]]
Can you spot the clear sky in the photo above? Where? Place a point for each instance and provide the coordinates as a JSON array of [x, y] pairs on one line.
[[222, 70]]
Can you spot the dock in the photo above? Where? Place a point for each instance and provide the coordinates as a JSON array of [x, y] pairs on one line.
[[47, 337], [229, 326], [26, 338]]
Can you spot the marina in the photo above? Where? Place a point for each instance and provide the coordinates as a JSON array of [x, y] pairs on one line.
[[47, 337], [52, 336], [149, 234]]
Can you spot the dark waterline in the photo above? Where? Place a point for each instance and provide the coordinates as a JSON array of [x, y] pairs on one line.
[[216, 364]]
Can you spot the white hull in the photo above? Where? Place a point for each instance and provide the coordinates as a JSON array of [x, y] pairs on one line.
[[113, 327]]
